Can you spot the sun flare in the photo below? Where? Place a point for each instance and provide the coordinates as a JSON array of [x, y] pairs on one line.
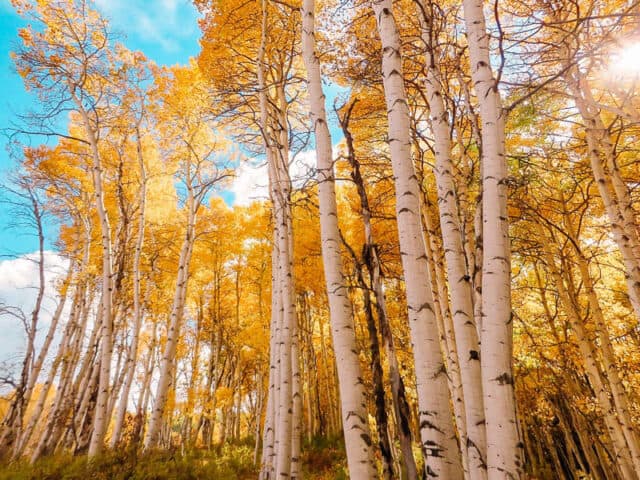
[[625, 63]]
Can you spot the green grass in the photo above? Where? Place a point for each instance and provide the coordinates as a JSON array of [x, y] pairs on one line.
[[323, 459], [230, 462]]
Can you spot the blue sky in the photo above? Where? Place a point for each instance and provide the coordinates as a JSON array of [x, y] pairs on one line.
[[165, 30]]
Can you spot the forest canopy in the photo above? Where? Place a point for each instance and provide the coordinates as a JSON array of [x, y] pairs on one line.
[[440, 279]]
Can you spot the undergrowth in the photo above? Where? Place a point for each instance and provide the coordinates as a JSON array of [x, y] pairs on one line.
[[229, 463], [322, 459]]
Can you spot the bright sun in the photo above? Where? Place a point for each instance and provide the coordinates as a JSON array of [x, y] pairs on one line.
[[625, 63]]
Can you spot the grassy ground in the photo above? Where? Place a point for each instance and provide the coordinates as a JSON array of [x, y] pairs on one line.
[[322, 460]]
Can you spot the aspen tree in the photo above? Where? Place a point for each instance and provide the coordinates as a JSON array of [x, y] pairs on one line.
[[177, 311], [382, 419], [447, 342], [277, 459], [352, 397], [611, 374], [370, 257], [466, 337], [69, 354], [194, 148], [25, 432], [137, 299], [296, 411], [281, 184], [23, 200], [433, 396], [267, 470], [621, 451], [75, 67], [268, 435], [106, 344], [504, 448], [613, 194]]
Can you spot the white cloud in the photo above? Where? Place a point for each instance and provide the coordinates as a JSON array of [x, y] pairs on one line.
[[251, 182], [170, 5], [163, 23], [303, 168], [18, 288]]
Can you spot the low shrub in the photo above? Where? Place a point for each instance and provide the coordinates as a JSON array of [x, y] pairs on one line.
[[231, 463]]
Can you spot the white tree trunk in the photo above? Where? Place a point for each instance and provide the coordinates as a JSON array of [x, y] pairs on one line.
[[132, 353], [165, 380], [447, 342], [270, 432], [620, 214], [621, 452], [504, 447], [296, 414], [466, 335], [60, 358], [620, 188], [431, 383], [267, 469], [401, 408], [101, 420], [281, 185], [611, 373], [279, 438], [352, 396]]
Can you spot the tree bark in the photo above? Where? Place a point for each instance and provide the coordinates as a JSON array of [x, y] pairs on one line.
[[466, 337], [433, 397], [504, 447], [165, 380], [354, 413], [132, 353]]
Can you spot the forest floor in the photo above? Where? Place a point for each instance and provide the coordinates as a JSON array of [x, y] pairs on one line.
[[322, 460]]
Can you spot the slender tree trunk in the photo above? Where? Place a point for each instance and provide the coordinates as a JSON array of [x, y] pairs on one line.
[[267, 469], [106, 343], [284, 437], [59, 361], [277, 461], [611, 374], [51, 331], [166, 378], [622, 455], [12, 423], [620, 214], [620, 188], [504, 448], [433, 397], [296, 414], [352, 395], [447, 343], [132, 353], [382, 420], [145, 390], [466, 336], [259, 407], [370, 256]]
